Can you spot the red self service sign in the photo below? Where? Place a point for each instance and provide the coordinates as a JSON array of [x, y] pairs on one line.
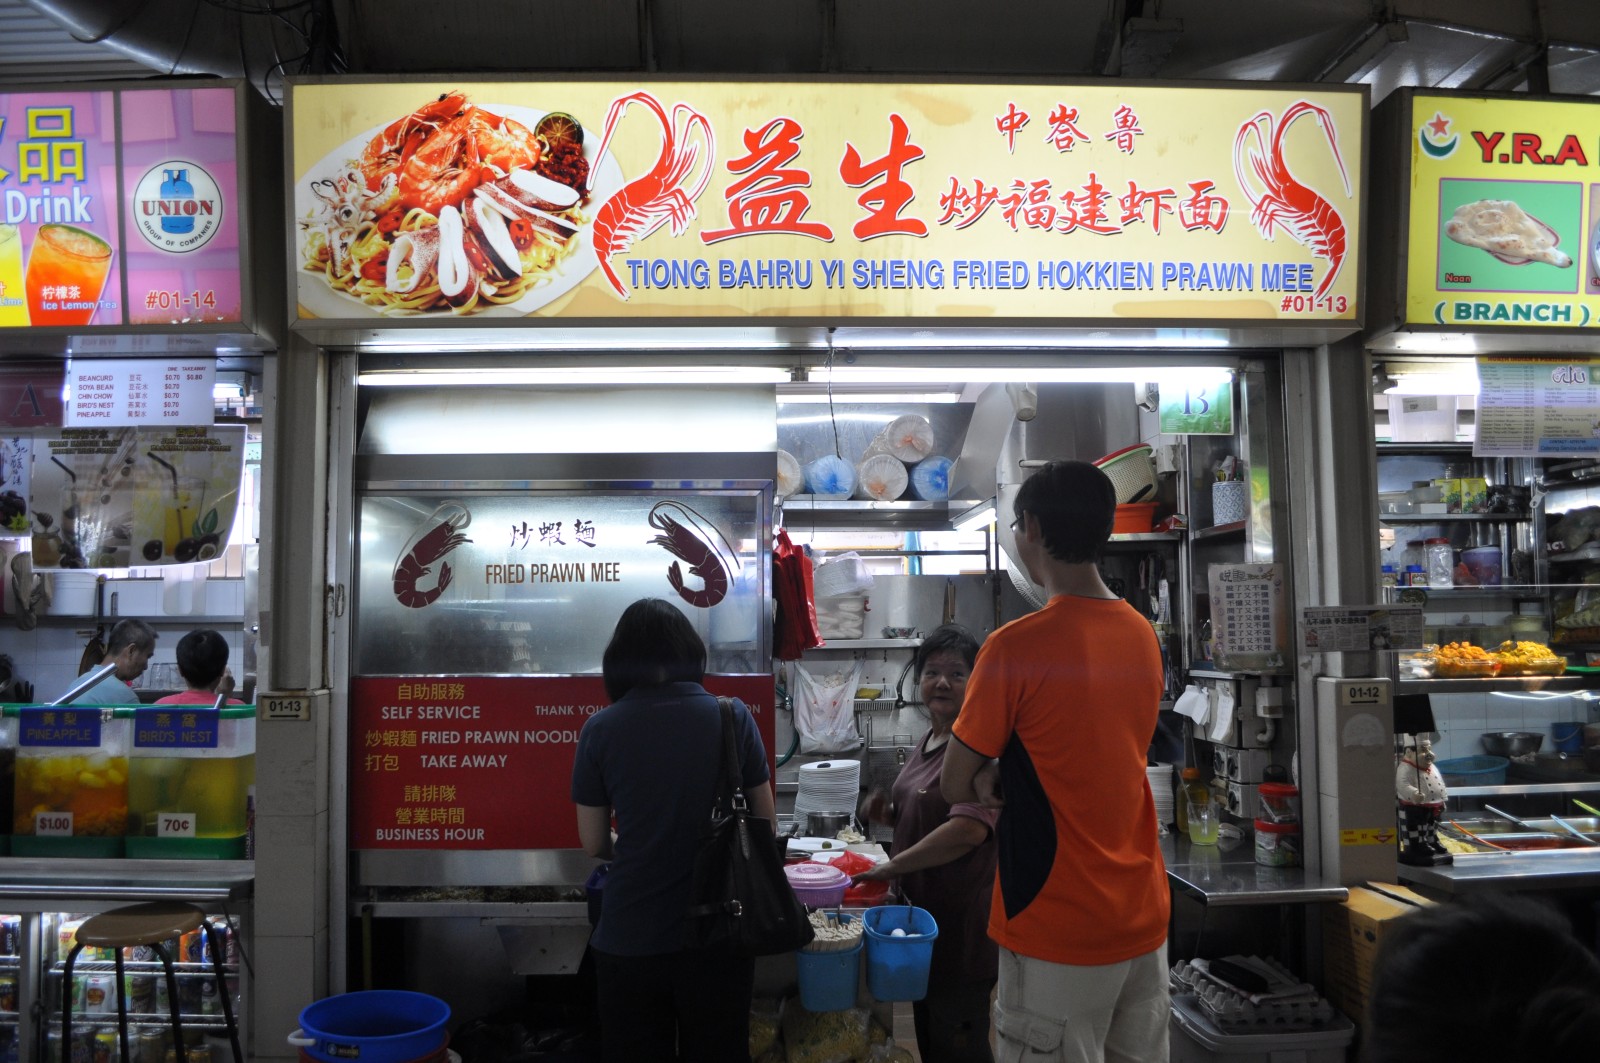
[[479, 762]]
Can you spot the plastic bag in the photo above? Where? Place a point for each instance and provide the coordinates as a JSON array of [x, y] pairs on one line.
[[864, 894], [824, 1036], [842, 575], [824, 709]]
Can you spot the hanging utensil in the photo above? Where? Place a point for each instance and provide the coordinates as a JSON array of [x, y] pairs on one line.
[[1587, 808], [95, 651], [1574, 831], [1479, 839]]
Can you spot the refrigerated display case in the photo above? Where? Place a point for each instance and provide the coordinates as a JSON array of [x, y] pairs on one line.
[[37, 920]]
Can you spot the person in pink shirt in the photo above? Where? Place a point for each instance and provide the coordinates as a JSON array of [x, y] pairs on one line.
[[203, 663]]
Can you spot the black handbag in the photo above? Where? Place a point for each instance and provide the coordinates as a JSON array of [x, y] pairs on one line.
[[741, 899]]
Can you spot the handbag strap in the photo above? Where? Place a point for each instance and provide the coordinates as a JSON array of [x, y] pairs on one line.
[[730, 787]]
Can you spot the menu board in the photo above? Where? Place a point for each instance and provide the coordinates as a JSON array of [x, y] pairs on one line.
[[119, 207], [484, 762], [1249, 616], [668, 200], [141, 392], [1537, 408], [115, 497], [1504, 211]]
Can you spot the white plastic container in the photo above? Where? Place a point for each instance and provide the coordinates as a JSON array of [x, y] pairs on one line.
[[72, 593], [1196, 1039]]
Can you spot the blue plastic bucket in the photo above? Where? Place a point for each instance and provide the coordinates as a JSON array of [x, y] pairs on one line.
[[373, 1026], [897, 966], [1568, 736], [828, 979]]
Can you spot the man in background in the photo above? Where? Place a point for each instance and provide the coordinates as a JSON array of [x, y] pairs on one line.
[[1067, 699], [130, 647]]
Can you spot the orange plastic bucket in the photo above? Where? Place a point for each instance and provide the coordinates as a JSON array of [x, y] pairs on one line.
[[1133, 518]]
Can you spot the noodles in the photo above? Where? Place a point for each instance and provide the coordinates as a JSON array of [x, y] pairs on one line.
[[371, 240]]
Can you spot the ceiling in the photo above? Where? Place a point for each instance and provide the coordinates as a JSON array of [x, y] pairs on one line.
[[1491, 45]]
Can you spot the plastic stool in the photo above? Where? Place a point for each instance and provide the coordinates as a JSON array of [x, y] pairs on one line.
[[147, 924]]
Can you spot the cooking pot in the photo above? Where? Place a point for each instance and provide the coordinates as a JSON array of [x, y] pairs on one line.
[[827, 824], [1512, 743]]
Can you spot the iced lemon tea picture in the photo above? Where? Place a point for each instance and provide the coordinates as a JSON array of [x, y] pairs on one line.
[[67, 270], [13, 301]]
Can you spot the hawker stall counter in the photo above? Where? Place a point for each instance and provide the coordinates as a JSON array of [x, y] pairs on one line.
[[1229, 875]]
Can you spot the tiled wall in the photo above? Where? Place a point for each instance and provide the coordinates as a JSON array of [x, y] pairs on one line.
[[48, 655], [1462, 718]]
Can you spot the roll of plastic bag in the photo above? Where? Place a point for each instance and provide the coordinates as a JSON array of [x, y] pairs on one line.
[[909, 438], [791, 479], [882, 478], [831, 477], [930, 478]]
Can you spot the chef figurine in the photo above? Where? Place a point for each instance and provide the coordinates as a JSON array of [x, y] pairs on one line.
[[1421, 791]]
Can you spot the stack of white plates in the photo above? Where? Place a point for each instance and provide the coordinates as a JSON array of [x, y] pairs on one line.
[[1161, 783], [828, 786]]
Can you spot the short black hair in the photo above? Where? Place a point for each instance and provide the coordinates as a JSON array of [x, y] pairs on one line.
[[1075, 505], [202, 657], [1518, 984], [131, 632], [653, 643], [947, 637]]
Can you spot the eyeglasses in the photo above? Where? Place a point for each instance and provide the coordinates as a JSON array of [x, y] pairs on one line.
[[1016, 522]]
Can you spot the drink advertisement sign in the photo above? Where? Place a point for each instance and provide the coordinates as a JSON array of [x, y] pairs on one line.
[[118, 207], [484, 762], [474, 202], [1504, 211]]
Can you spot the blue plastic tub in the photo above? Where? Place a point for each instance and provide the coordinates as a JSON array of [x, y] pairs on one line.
[[1474, 771], [897, 966], [828, 979], [373, 1026]]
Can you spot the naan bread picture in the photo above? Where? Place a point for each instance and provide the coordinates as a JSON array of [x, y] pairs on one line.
[[1507, 232]]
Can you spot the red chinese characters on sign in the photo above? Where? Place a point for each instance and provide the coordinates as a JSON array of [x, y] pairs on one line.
[[770, 198], [1134, 203], [1126, 127], [1064, 131], [891, 193], [1085, 208], [1010, 124], [1202, 210]]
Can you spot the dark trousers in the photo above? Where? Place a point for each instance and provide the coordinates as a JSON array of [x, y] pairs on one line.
[[692, 1006], [953, 1024]]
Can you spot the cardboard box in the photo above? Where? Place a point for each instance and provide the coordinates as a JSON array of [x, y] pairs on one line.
[[1474, 494], [1350, 935], [1450, 491]]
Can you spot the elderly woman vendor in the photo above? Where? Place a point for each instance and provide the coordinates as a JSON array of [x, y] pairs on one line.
[[944, 856]]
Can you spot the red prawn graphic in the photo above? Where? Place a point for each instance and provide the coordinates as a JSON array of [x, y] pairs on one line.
[[644, 204], [1300, 210], [426, 548], [696, 540]]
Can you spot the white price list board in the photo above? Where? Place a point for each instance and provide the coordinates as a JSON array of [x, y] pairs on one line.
[[1249, 616], [106, 392], [1537, 407]]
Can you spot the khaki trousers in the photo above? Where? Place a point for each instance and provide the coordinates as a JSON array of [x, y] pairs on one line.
[[1059, 1013]]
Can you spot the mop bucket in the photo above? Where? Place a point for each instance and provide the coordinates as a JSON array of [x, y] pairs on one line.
[[828, 979], [373, 1026], [897, 965]]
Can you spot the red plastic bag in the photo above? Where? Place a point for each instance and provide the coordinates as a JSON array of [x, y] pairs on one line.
[[862, 894]]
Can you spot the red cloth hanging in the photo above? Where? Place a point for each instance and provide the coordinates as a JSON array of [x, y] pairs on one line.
[[795, 628]]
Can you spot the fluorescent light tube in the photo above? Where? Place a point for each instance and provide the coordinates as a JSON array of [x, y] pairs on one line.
[[870, 396], [979, 515], [882, 374], [595, 375]]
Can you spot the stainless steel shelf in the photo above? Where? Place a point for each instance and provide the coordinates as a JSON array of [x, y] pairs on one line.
[[806, 511], [1552, 683], [867, 644], [1453, 518], [1219, 531], [1145, 537]]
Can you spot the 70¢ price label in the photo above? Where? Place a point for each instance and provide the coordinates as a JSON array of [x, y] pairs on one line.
[[175, 824]]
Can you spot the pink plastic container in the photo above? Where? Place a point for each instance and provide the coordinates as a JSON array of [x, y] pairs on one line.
[[817, 885]]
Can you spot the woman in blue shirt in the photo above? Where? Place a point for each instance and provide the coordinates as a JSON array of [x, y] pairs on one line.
[[648, 762]]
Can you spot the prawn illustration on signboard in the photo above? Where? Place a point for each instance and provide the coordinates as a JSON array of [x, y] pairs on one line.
[[665, 193], [433, 539], [692, 538], [1282, 201]]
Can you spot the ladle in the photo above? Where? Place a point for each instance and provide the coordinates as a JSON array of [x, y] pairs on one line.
[[1521, 824], [1574, 831]]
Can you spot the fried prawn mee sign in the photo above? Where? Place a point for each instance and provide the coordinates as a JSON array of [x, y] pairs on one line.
[[460, 202]]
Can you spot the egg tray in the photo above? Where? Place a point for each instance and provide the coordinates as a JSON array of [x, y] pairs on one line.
[[1298, 1007]]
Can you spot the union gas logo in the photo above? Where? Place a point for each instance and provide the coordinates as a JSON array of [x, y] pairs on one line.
[[177, 206]]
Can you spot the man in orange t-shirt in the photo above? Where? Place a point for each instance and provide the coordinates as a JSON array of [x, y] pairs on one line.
[[1066, 698]]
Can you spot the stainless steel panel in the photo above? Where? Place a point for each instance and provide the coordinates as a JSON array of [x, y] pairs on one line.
[[491, 867]]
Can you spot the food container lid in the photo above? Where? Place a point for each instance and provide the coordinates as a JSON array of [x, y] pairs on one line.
[[814, 876], [1437, 540], [1278, 789], [1266, 826]]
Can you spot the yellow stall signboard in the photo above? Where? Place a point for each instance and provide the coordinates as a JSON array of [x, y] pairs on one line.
[[1504, 203], [656, 201]]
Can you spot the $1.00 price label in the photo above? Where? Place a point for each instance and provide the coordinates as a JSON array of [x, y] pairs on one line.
[[175, 824], [53, 824]]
